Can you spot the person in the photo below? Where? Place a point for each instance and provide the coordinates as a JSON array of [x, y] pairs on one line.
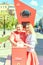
[[31, 42], [18, 36]]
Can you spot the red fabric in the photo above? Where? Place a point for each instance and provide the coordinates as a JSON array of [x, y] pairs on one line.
[[27, 54], [32, 58], [21, 34]]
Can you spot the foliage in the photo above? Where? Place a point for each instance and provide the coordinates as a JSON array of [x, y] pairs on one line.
[[36, 25], [3, 39], [10, 21]]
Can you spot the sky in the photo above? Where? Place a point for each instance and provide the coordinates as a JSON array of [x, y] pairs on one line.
[[36, 4]]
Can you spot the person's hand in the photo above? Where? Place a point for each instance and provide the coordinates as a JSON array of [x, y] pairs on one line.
[[20, 44]]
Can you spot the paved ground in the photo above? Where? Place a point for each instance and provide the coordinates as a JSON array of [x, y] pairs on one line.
[[39, 35], [4, 61], [39, 47], [40, 60]]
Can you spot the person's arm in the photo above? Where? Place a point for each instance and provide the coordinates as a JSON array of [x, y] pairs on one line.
[[31, 42], [12, 39], [25, 44], [29, 45]]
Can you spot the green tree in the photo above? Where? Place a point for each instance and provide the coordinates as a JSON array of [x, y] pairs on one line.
[[10, 21]]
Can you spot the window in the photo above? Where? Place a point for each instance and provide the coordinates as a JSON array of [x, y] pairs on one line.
[[25, 13], [5, 6], [11, 6]]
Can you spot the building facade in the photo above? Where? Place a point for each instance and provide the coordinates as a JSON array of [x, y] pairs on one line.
[[7, 8]]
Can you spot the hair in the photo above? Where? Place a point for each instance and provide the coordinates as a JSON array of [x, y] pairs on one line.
[[19, 25], [32, 30]]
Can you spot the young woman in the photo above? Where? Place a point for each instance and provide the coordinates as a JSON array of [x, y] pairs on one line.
[[18, 36], [31, 42]]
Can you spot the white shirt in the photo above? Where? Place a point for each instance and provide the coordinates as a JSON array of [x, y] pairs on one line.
[[31, 40]]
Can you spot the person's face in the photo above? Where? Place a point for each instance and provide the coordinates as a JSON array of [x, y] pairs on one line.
[[19, 28], [27, 29]]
